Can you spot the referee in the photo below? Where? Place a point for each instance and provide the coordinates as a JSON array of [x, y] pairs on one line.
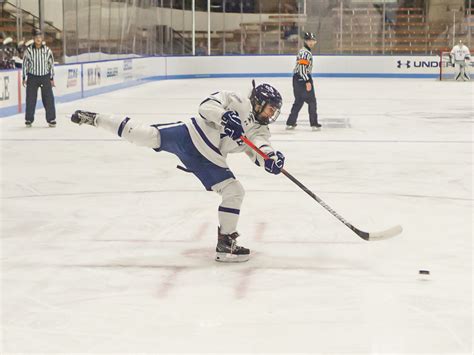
[[303, 87], [38, 72]]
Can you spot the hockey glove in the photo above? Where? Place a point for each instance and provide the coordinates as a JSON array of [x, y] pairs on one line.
[[275, 163], [233, 126]]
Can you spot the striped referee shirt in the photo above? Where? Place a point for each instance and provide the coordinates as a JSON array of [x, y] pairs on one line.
[[304, 63], [38, 61]]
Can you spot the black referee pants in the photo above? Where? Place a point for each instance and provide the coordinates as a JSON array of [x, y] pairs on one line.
[[302, 96], [32, 84]]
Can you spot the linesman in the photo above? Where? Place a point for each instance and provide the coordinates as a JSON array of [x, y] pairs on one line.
[[38, 72], [303, 87]]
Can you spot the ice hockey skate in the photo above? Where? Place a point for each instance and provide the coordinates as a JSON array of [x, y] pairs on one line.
[[227, 249], [84, 117]]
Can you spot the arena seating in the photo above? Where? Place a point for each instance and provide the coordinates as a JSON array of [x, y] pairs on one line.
[[364, 30]]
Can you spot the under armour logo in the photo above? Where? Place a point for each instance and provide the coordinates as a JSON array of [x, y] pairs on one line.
[[400, 63]]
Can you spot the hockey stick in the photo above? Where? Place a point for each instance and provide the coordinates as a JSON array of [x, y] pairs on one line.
[[389, 233]]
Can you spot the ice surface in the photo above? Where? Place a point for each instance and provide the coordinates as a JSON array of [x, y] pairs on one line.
[[107, 247]]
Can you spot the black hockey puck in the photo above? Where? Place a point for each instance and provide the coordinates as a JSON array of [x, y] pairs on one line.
[[424, 272]]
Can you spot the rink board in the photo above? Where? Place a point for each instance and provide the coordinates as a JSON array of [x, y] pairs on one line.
[[75, 81]]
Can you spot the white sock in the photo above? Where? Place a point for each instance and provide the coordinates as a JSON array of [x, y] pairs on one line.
[[232, 197], [130, 130]]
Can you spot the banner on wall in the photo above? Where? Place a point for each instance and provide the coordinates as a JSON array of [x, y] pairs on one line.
[[102, 74], [72, 77], [105, 76], [10, 84], [127, 68], [377, 66], [6, 88], [68, 82]]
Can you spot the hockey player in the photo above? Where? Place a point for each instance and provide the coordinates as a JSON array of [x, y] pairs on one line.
[[303, 87], [202, 144], [461, 56]]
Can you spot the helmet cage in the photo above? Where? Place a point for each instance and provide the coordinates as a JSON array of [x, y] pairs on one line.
[[267, 120]]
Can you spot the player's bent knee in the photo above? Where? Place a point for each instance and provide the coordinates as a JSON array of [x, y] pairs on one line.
[[231, 190], [234, 191]]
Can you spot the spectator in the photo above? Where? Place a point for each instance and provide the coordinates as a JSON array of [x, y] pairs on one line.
[[201, 48]]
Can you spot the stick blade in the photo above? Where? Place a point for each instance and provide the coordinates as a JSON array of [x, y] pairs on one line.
[[386, 234]]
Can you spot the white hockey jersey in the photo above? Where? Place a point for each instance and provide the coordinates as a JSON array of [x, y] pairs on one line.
[[207, 131], [460, 52]]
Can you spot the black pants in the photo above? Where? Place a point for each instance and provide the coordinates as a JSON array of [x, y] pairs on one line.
[[302, 96], [32, 85]]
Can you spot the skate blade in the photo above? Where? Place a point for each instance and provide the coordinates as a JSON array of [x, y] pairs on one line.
[[231, 258]]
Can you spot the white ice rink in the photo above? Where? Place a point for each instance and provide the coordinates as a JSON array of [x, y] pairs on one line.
[[107, 247]]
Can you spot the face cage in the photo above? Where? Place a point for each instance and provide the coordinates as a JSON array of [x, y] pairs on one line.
[[267, 120]]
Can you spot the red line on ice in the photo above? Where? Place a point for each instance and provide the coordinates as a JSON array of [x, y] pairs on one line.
[[200, 232], [259, 231], [169, 281], [242, 287]]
